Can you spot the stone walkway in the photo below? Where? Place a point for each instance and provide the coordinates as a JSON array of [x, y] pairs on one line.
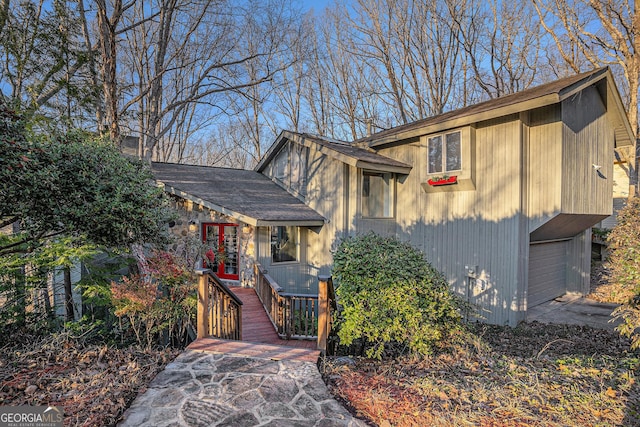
[[205, 388]]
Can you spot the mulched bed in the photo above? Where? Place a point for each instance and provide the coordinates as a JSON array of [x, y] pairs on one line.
[[602, 289], [93, 384], [533, 375]]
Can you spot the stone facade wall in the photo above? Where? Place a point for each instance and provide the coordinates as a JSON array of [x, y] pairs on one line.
[[187, 230]]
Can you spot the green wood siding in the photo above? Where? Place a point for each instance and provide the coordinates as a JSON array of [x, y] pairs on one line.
[[587, 140], [478, 227]]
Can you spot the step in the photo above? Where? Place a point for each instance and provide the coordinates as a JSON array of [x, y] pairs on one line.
[[255, 350]]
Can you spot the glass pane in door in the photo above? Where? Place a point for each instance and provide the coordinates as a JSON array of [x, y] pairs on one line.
[[230, 237], [212, 242]]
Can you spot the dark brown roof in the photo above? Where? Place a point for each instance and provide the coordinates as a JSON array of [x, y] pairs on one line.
[[245, 195], [545, 94], [347, 152], [357, 153]]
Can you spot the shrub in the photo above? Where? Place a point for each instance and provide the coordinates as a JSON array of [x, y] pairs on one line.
[[624, 259], [389, 293], [161, 308]]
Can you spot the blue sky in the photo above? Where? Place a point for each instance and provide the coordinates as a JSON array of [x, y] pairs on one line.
[[317, 5]]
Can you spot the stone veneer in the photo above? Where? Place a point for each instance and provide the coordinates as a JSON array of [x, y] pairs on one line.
[[188, 233]]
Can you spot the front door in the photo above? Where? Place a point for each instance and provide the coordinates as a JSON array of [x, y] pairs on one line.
[[221, 242]]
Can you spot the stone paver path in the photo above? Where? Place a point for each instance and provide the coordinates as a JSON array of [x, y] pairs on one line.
[[202, 388]]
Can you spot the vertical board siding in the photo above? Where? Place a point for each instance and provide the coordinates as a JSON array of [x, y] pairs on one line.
[[620, 193], [476, 228], [585, 127], [325, 193], [326, 184], [544, 169], [525, 168], [579, 263], [56, 287], [293, 277]]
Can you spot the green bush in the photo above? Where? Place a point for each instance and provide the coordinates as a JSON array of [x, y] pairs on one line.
[[624, 259], [390, 294], [160, 308]]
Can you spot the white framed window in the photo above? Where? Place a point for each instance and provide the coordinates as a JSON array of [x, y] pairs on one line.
[[377, 194], [445, 153], [284, 244]]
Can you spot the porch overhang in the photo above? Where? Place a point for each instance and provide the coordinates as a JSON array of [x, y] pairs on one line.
[[247, 196]]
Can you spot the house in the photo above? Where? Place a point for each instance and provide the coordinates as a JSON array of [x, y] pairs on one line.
[[500, 196]]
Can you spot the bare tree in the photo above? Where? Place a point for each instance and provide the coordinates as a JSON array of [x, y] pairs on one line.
[[350, 91], [596, 33], [109, 17], [377, 22], [194, 53], [412, 53], [503, 54]]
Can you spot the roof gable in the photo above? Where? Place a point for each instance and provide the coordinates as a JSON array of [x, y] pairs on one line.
[[345, 152]]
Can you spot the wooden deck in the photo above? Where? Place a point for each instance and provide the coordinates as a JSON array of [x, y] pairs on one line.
[[259, 337], [256, 326]]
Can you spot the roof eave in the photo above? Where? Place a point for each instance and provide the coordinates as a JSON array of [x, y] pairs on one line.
[[295, 222], [264, 161], [256, 222], [237, 215], [455, 122], [344, 158], [625, 136], [383, 168]]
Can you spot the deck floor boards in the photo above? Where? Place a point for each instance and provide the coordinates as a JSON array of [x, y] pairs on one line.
[[256, 326], [259, 337]]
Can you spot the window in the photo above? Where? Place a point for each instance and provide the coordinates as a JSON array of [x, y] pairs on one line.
[[445, 153], [377, 195], [289, 167], [221, 256], [284, 244], [280, 164]]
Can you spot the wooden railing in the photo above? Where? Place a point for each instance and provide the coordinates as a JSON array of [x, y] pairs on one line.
[[296, 316], [219, 309], [327, 306]]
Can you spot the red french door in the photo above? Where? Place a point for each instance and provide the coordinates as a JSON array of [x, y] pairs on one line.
[[221, 256]]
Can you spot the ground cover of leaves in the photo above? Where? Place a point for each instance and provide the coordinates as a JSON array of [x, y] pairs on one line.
[[533, 375], [93, 383]]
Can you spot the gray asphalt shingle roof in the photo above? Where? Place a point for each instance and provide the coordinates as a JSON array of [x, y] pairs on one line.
[[246, 195]]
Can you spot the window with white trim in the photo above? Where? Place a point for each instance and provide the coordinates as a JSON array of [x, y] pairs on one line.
[[377, 195], [284, 244], [445, 153]]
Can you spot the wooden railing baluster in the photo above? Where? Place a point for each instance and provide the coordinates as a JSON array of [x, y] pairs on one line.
[[297, 316], [219, 309]]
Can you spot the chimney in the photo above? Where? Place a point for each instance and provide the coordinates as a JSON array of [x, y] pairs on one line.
[[369, 127]]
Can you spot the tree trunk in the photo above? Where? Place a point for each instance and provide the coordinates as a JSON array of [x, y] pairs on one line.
[[107, 34], [68, 295]]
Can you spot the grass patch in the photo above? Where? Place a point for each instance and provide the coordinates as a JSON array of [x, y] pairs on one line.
[[533, 375]]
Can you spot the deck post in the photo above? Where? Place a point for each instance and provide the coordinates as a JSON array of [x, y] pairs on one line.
[[324, 316], [203, 302]]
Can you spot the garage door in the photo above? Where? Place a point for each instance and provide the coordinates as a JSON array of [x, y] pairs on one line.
[[547, 271]]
